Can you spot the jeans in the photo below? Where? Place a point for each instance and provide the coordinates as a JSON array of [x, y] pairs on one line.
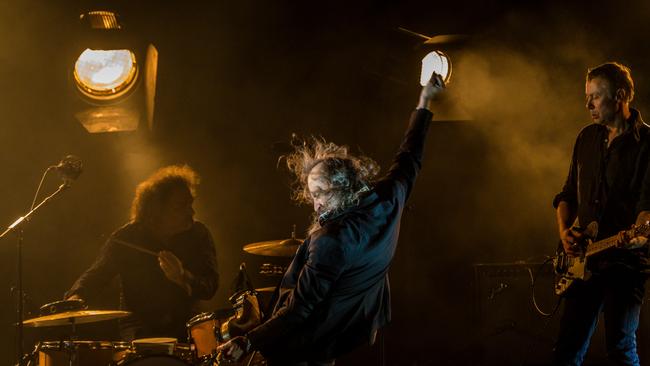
[[618, 293]]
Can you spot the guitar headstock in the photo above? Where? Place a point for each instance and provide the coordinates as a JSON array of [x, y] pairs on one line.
[[639, 230]]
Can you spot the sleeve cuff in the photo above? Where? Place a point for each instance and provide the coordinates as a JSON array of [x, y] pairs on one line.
[[563, 197]]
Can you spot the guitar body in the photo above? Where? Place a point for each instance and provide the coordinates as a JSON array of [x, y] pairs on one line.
[[568, 269]]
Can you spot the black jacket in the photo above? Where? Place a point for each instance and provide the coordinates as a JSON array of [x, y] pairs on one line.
[[336, 288], [160, 307]]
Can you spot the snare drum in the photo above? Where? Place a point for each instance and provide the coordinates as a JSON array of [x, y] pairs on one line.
[[81, 353]]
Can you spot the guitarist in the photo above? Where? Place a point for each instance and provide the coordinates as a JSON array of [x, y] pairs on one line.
[[609, 183]]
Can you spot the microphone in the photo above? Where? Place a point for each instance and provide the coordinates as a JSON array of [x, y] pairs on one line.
[[69, 168]]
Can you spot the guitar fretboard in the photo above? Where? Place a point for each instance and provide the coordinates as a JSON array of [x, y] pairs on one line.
[[601, 245]]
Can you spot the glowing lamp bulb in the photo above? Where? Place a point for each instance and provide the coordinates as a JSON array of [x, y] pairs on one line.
[[437, 62], [105, 73]]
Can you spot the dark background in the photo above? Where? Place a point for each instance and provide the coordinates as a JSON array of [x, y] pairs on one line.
[[236, 79]]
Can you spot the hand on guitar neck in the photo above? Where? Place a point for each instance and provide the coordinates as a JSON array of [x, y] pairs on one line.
[[631, 239], [575, 240]]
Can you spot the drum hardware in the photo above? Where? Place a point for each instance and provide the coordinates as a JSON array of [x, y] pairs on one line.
[[276, 248], [269, 269], [57, 307], [242, 283]]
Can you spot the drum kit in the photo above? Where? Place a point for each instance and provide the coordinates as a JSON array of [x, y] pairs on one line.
[[206, 331]]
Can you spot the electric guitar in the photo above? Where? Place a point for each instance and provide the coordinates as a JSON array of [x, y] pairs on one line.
[[569, 268]]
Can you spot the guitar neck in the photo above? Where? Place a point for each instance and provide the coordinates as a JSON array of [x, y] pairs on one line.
[[599, 246]]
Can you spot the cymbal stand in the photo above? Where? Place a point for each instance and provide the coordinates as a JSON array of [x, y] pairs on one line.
[[72, 352]]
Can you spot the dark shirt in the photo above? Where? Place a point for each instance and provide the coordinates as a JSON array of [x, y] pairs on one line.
[[160, 307], [336, 287], [610, 185]]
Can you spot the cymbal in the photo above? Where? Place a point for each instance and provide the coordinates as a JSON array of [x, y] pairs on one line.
[[274, 248], [76, 317]]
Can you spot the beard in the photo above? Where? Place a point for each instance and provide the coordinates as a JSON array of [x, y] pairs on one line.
[[329, 209]]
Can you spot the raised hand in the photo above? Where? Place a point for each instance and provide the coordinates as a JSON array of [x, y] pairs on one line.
[[431, 91]]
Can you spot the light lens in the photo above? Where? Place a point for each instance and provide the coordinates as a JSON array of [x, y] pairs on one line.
[[105, 74], [438, 62]]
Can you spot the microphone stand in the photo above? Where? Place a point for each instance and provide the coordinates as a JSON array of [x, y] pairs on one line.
[[14, 227]]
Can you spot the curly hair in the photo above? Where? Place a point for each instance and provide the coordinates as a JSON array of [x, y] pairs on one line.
[[348, 175], [151, 194]]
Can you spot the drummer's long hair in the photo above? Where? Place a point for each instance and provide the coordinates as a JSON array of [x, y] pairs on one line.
[[349, 176], [151, 194]]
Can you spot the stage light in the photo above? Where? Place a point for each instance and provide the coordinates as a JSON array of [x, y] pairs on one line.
[[112, 75], [101, 19], [438, 62], [105, 74]]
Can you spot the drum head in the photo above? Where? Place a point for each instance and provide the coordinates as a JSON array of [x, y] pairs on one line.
[[159, 360], [200, 318], [216, 315]]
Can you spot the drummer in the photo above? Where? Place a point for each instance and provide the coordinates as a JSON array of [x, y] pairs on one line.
[[165, 260]]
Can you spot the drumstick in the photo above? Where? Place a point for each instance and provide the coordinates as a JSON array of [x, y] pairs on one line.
[[134, 246]]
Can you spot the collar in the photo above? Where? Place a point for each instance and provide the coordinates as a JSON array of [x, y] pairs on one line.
[[635, 123], [365, 200]]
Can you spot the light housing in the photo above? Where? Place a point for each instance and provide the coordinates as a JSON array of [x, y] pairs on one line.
[[112, 74]]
